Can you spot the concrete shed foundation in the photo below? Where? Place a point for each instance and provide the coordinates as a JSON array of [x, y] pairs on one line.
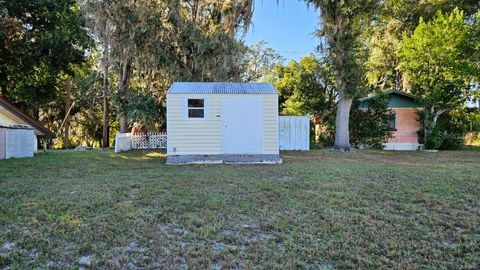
[[223, 159]]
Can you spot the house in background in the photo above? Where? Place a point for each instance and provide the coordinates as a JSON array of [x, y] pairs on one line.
[[19, 134], [222, 123], [403, 121]]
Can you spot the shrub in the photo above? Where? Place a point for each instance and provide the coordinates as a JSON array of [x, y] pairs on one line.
[[451, 129], [435, 139], [452, 141], [369, 125]]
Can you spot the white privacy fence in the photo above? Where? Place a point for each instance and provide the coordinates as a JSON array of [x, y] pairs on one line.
[[294, 133], [143, 140]]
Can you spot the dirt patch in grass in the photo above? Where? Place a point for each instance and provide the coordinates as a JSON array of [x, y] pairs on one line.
[[320, 209]]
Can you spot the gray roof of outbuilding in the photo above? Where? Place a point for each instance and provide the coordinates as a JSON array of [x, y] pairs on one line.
[[221, 88]]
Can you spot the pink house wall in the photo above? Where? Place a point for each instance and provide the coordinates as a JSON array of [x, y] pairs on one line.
[[407, 126]]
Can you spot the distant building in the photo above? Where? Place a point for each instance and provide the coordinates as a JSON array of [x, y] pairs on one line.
[[19, 134], [403, 121]]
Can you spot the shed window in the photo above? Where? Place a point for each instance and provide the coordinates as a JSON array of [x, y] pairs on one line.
[[196, 108]]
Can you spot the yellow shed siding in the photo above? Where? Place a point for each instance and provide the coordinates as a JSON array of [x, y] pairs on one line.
[[270, 124], [204, 136], [193, 136]]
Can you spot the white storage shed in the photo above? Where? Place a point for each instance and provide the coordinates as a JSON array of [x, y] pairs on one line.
[[222, 123], [19, 134], [17, 142]]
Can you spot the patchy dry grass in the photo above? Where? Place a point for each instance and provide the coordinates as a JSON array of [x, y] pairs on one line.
[[321, 209]]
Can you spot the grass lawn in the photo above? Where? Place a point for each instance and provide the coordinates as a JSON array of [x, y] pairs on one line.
[[318, 210]]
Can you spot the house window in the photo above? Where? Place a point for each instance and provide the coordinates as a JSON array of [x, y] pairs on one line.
[[196, 108], [392, 121]]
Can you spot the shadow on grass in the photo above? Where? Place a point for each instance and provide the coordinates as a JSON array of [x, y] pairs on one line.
[[140, 155]]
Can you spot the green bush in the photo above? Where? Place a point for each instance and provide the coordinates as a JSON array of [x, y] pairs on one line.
[[369, 125], [326, 138], [435, 139], [451, 129], [452, 141]]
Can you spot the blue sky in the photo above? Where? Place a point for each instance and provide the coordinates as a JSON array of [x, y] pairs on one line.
[[287, 27]]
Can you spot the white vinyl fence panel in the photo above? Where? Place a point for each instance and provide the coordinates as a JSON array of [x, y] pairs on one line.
[[294, 133], [123, 142]]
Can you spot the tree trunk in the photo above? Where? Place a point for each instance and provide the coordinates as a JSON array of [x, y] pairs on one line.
[[436, 115], [106, 109], [124, 74], [342, 134], [425, 125], [428, 125], [68, 103], [106, 112]]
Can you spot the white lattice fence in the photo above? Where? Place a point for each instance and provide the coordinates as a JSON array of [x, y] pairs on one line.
[[149, 140], [145, 140]]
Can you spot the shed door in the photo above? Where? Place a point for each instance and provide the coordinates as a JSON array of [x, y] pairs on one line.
[[242, 129]]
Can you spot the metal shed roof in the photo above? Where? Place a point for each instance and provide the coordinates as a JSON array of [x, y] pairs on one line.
[[221, 88]]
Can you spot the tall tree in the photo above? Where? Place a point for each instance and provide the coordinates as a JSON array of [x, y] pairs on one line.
[[41, 40], [68, 105], [341, 27], [259, 62], [395, 17], [154, 42], [305, 87], [441, 62], [125, 30], [106, 87], [208, 40]]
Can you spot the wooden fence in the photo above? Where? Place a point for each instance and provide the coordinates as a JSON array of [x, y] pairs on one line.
[[294, 133]]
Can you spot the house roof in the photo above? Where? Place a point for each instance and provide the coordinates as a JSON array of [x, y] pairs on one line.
[[390, 92], [397, 99], [12, 109], [221, 88]]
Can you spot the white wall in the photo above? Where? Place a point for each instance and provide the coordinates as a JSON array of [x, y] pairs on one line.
[[2, 143], [18, 143], [402, 146]]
